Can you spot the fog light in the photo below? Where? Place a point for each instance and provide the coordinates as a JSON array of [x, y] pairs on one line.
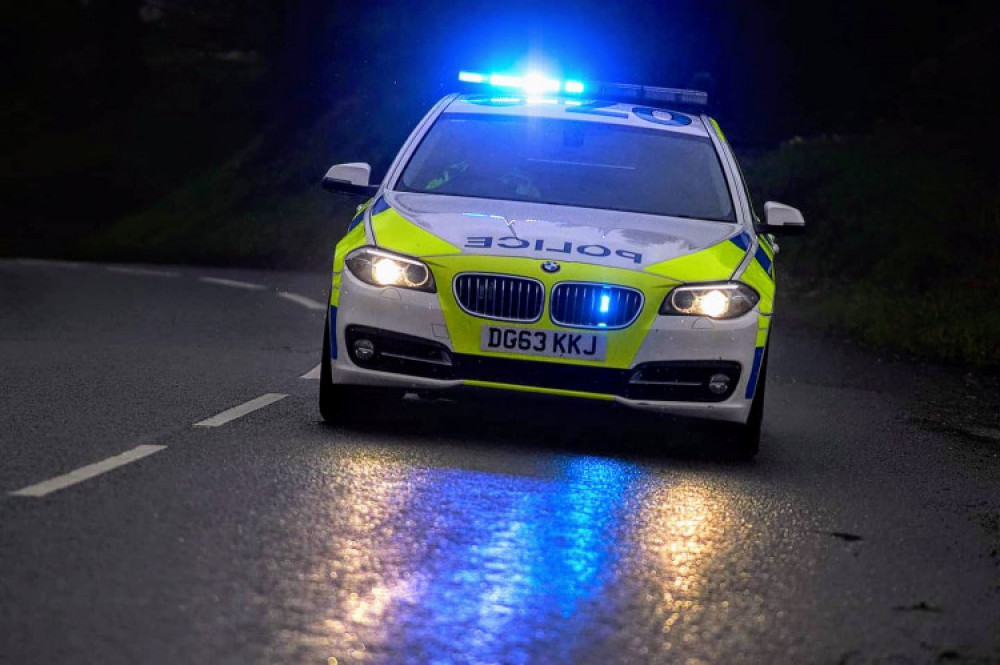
[[364, 350], [718, 384]]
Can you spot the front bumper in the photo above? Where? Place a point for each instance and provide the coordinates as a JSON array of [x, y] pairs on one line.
[[668, 373]]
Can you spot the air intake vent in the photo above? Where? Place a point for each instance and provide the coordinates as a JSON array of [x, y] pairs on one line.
[[500, 296], [586, 305]]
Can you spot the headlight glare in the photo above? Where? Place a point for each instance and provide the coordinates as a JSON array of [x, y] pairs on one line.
[[381, 268], [726, 300], [387, 272]]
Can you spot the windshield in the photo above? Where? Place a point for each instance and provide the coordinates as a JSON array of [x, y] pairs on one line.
[[570, 162]]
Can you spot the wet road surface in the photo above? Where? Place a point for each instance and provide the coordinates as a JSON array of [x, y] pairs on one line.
[[487, 531]]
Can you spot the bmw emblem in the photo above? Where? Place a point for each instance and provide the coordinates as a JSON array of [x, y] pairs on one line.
[[550, 266]]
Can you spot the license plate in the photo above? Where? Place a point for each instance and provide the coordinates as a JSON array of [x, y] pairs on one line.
[[550, 343]]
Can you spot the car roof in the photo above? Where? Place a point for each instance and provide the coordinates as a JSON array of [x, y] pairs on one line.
[[578, 108]]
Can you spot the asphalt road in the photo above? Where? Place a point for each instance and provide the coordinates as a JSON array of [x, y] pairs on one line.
[[496, 531]]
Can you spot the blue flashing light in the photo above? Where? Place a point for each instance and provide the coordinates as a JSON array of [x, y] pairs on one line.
[[536, 83], [605, 304], [471, 77], [532, 83], [505, 81]]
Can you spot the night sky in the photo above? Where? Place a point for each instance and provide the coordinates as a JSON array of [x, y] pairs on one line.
[[775, 69]]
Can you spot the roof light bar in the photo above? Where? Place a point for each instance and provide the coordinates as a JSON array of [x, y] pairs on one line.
[[471, 77], [648, 93], [538, 84], [532, 83]]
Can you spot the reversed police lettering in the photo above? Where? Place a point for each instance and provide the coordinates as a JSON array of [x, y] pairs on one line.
[[593, 250], [479, 242], [625, 254], [540, 245], [518, 243]]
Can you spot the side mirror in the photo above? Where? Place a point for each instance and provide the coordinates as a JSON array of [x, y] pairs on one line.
[[350, 179], [779, 218]]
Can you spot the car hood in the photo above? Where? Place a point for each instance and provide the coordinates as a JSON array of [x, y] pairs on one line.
[[542, 231]]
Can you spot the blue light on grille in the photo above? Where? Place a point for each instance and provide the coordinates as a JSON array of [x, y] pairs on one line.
[[589, 305]]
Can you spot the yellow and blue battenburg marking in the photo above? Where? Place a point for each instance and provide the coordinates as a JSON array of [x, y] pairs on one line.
[[761, 255], [394, 232], [354, 238], [758, 357], [760, 275], [359, 216]]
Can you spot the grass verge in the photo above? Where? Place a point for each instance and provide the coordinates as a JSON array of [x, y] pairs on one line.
[[903, 245]]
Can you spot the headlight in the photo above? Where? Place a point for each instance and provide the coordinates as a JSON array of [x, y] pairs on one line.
[[718, 301], [380, 268]]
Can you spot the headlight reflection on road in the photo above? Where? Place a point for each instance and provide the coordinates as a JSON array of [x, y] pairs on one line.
[[682, 529], [357, 584]]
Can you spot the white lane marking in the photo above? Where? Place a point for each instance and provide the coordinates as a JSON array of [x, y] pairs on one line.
[[241, 410], [87, 472], [233, 283], [313, 373], [142, 271], [308, 303]]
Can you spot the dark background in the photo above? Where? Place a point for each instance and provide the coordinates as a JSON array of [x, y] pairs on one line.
[[196, 131]]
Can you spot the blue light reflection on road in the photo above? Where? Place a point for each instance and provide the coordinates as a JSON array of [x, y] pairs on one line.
[[509, 560]]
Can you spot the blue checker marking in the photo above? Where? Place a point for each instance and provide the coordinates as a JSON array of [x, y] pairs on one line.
[[742, 241], [357, 220], [333, 332], [379, 206], [763, 260], [758, 355]]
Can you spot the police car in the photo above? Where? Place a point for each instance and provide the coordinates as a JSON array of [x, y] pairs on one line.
[[587, 240]]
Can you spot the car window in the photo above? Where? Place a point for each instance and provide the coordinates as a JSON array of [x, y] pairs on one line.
[[571, 162]]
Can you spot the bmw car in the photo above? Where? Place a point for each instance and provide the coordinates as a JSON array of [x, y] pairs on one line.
[[585, 240]]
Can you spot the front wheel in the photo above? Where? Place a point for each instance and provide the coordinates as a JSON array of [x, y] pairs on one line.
[[333, 398]]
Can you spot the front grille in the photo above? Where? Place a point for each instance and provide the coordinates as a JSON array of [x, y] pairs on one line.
[[585, 305], [500, 296]]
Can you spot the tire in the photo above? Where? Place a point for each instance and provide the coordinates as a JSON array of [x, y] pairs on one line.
[[744, 442], [336, 403]]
